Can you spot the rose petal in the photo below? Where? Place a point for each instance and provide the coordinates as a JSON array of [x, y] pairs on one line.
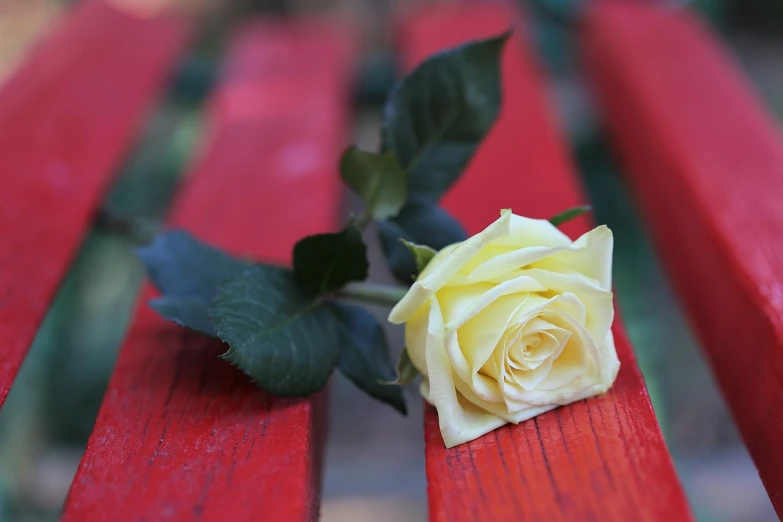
[[574, 369], [438, 274], [460, 364], [578, 357], [527, 232], [582, 388], [590, 255], [416, 337], [459, 421], [552, 343], [442, 390], [572, 305], [596, 303], [609, 364], [456, 301], [510, 261], [525, 411], [488, 251], [472, 423], [468, 301], [479, 337], [534, 330], [529, 379]]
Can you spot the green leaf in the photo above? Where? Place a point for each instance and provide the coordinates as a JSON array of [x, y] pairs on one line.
[[326, 262], [406, 371], [187, 272], [189, 312], [421, 222], [364, 354], [436, 117], [377, 178], [182, 266], [421, 254], [285, 340], [569, 214]]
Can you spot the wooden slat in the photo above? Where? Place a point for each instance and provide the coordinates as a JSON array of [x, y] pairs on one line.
[[599, 459], [182, 435], [66, 118], [706, 161]]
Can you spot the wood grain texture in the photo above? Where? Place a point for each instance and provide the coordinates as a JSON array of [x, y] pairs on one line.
[[599, 459], [705, 159], [182, 435], [67, 116]]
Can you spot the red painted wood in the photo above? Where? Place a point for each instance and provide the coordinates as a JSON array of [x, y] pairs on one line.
[[706, 161], [67, 117], [182, 435], [600, 459]]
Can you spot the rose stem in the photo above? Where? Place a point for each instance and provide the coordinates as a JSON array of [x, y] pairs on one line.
[[373, 293]]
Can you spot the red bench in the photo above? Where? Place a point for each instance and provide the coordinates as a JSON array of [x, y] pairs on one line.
[[183, 436], [67, 117], [706, 160]]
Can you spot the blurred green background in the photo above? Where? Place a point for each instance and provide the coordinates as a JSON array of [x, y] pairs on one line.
[[49, 414]]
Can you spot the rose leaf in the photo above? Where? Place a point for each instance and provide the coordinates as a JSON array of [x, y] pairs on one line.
[[422, 254], [187, 272], [569, 214], [422, 222], [284, 339], [189, 312], [364, 354], [377, 178], [180, 265], [406, 371], [326, 262], [436, 116]]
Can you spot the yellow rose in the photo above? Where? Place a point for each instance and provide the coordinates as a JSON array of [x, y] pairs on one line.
[[511, 323]]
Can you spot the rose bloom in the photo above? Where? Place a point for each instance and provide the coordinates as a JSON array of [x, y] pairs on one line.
[[511, 323]]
